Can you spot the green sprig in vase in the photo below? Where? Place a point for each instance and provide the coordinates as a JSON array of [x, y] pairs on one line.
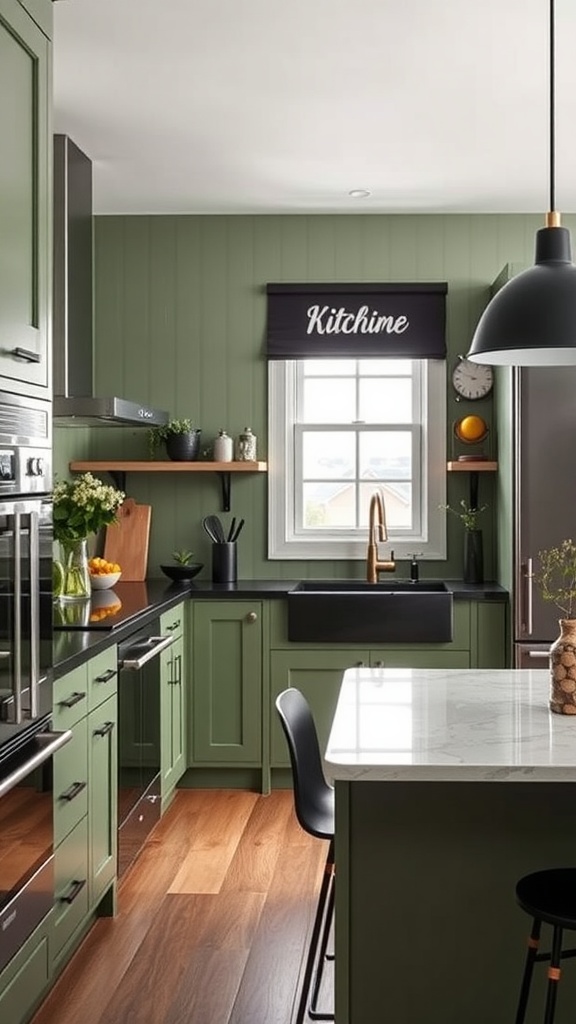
[[71, 573]]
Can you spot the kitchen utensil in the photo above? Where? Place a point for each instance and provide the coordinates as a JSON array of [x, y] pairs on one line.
[[127, 540], [231, 530], [214, 529], [224, 563], [237, 531]]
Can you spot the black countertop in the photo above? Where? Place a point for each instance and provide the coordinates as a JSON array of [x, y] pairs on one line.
[[112, 616]]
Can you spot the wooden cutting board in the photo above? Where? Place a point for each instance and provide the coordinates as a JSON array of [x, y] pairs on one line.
[[127, 540]]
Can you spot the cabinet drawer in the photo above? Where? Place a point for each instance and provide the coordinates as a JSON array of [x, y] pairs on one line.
[[71, 782], [70, 698], [27, 980], [172, 622], [70, 885], [102, 677]]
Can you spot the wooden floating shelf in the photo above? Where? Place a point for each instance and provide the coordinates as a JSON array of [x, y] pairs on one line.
[[472, 467], [118, 469]]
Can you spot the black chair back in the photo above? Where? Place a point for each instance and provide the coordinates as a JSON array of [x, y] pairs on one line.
[[313, 795]]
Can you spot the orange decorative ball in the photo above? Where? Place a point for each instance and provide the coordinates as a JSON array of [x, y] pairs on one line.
[[471, 429]]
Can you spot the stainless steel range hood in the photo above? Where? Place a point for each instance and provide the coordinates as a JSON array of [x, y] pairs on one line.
[[74, 403]]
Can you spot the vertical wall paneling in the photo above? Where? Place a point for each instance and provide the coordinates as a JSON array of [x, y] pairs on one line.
[[180, 313]]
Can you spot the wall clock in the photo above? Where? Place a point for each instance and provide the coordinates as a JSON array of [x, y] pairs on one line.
[[472, 380]]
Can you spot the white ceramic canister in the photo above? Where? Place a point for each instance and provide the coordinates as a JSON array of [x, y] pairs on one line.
[[246, 446], [223, 448]]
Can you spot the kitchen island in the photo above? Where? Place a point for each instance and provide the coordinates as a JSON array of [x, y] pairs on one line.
[[450, 785]]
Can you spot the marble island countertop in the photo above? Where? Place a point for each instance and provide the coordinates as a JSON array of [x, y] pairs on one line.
[[441, 725]]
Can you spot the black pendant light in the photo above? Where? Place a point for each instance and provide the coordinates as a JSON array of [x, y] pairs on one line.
[[531, 321]]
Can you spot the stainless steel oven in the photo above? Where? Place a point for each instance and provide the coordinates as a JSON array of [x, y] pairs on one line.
[[26, 836], [139, 685]]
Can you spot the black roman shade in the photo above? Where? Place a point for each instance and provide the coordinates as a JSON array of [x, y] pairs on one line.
[[352, 321]]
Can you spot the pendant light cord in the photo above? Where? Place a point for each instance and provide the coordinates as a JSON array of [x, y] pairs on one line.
[[552, 104]]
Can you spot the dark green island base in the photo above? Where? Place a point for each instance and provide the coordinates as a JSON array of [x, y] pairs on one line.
[[431, 842]]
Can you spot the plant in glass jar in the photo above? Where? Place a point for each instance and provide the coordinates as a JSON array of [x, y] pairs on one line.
[[81, 507], [556, 578]]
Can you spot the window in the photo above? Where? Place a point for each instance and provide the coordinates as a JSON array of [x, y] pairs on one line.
[[338, 430]]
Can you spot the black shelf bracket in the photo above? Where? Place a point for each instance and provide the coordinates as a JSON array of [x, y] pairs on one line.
[[225, 482], [119, 478]]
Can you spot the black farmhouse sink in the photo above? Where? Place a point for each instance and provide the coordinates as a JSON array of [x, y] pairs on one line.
[[354, 611]]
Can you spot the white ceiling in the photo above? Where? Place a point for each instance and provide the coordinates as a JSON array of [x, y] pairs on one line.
[[283, 106]]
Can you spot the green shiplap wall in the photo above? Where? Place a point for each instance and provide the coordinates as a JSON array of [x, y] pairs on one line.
[[180, 312]]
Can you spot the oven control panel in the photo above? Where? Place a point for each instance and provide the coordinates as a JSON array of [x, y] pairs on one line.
[[25, 470]]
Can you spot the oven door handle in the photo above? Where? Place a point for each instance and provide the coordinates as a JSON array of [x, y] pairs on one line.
[[157, 644], [50, 742]]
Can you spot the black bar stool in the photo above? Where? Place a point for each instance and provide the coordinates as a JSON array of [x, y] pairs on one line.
[[549, 897], [314, 807]]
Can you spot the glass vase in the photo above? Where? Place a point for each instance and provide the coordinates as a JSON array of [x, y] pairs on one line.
[[71, 574]]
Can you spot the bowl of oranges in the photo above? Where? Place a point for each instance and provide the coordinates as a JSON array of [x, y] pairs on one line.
[[103, 574]]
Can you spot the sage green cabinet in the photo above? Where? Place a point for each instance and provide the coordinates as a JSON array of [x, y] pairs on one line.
[[227, 641], [173, 702], [24, 980], [85, 794], [25, 237]]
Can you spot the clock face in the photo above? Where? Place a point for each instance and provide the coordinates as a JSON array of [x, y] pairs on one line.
[[472, 380]]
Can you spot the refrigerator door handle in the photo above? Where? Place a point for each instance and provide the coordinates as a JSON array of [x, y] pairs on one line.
[[529, 577], [537, 654]]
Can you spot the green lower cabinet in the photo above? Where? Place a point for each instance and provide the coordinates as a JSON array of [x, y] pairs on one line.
[[102, 802], [173, 704], [24, 981], [318, 674], [227, 681], [70, 886]]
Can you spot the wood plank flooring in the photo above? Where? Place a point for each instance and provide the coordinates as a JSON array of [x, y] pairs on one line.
[[213, 921]]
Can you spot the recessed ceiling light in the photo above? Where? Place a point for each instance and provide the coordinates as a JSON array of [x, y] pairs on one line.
[[359, 193]]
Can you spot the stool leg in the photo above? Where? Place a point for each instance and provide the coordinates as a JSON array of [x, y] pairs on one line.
[[533, 943], [553, 975]]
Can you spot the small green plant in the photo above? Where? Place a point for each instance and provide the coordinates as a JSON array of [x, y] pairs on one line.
[[183, 557], [469, 517], [156, 435], [557, 576]]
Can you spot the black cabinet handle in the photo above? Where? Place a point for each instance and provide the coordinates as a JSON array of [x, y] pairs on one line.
[[106, 676], [104, 729], [175, 625], [73, 699], [75, 891], [74, 790], [26, 354]]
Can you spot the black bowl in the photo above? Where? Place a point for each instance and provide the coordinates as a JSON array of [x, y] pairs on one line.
[[181, 573]]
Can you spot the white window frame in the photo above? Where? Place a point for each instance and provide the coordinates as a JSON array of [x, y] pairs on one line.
[[284, 542]]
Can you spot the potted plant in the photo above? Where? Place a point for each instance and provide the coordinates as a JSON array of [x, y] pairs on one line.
[[473, 545], [556, 578], [180, 438], [81, 506], [184, 568]]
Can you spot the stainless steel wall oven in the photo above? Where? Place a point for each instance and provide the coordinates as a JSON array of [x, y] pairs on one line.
[[139, 686]]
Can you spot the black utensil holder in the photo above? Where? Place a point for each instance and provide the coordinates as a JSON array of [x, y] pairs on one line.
[[224, 563]]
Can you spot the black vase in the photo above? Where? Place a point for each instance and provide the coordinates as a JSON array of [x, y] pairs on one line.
[[183, 447], [473, 557]]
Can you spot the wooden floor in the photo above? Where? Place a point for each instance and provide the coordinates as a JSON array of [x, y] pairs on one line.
[[212, 925]]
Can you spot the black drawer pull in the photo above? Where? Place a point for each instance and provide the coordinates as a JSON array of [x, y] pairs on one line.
[[75, 891], [74, 790], [73, 699], [26, 354], [175, 625], [106, 676], [104, 729]]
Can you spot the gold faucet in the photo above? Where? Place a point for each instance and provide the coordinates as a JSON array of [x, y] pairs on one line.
[[377, 521]]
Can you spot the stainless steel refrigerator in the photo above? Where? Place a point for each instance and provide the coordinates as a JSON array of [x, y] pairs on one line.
[[544, 501]]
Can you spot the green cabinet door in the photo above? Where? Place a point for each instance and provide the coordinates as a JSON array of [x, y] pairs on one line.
[[173, 704], [25, 240], [227, 682], [318, 675], [102, 802], [25, 979]]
